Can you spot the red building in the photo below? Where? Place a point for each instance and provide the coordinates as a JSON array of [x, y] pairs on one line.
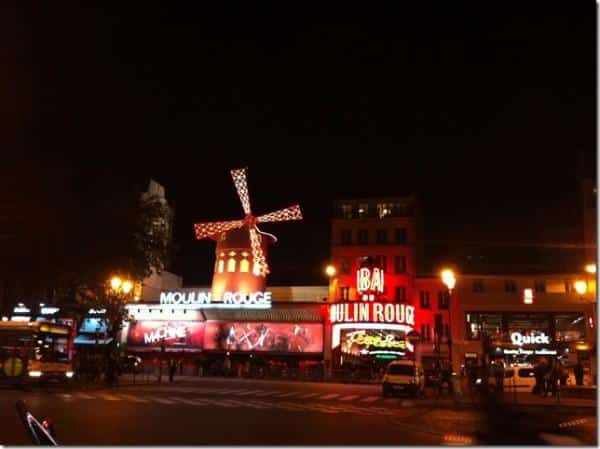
[[383, 234]]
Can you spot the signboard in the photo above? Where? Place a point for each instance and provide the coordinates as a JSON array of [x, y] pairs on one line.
[[257, 336], [173, 333], [374, 341], [369, 282], [372, 312], [93, 325], [204, 300], [532, 338]]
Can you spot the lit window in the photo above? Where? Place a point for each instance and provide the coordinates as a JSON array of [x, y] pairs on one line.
[[232, 253], [256, 269], [231, 265], [244, 266], [245, 254], [221, 265]]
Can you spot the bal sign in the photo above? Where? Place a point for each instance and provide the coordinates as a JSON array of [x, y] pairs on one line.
[[369, 281]]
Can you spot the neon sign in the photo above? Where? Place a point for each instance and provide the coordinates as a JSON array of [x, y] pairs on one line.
[[165, 333], [204, 300], [362, 338], [519, 339], [369, 282], [372, 313]]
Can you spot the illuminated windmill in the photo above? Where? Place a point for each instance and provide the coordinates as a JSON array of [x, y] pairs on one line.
[[241, 262]]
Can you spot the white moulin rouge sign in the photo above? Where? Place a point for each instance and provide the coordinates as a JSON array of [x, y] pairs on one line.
[[230, 300], [372, 313]]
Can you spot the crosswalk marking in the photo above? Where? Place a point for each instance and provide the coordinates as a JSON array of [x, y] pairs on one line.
[[247, 393], [309, 395], [162, 400], [84, 396], [109, 397], [191, 401], [133, 398], [229, 403], [329, 396], [268, 393], [349, 398], [370, 399], [285, 395]]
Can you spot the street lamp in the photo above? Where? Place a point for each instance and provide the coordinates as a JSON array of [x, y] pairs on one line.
[[449, 279], [591, 268], [330, 270], [580, 287], [120, 286]]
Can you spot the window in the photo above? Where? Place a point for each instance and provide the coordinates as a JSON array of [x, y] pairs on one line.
[[478, 285], [400, 293], [231, 265], [383, 210], [402, 370], [347, 211], [244, 266], [483, 324], [510, 286], [363, 210], [345, 293], [540, 286], [425, 332], [363, 236], [345, 265], [400, 236], [221, 265], [569, 286], [569, 326], [381, 262], [443, 299], [346, 237], [381, 236], [424, 297], [399, 264]]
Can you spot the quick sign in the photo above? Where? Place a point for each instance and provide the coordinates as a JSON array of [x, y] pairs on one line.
[[530, 339], [372, 312], [204, 300]]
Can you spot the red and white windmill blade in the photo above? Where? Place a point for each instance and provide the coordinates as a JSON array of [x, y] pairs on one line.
[[204, 230]]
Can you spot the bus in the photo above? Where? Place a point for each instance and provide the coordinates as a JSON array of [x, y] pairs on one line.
[[35, 351]]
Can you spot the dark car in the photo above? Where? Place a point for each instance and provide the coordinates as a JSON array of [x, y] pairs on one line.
[[131, 364]]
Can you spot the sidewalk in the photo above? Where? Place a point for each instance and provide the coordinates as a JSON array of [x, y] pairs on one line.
[[529, 399]]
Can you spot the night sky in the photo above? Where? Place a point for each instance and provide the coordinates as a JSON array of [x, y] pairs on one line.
[[487, 111]]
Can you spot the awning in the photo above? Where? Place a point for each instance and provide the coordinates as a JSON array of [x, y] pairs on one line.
[[90, 340], [293, 315]]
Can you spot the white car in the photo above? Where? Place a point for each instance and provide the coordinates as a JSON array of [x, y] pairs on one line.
[[403, 376]]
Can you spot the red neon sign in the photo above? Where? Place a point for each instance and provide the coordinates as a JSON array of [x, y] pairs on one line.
[[372, 312], [369, 282]]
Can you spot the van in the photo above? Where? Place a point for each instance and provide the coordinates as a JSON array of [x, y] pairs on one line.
[[403, 376]]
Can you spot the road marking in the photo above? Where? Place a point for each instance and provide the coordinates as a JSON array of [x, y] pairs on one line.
[[309, 395], [285, 395], [329, 396], [348, 398], [196, 402], [231, 403], [230, 391], [255, 404], [109, 397], [370, 399], [133, 398], [268, 393], [84, 396], [162, 401], [248, 393]]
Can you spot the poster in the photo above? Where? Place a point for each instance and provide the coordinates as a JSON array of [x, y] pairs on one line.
[[267, 337], [184, 334]]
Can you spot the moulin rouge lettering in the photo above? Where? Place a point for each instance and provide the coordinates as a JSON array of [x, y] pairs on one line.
[[165, 333], [372, 313], [204, 299]]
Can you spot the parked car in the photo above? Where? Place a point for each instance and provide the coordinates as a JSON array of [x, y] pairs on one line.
[[132, 364], [403, 376]]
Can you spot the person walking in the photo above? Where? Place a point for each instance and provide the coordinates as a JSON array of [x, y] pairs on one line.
[[578, 371], [499, 375], [172, 369]]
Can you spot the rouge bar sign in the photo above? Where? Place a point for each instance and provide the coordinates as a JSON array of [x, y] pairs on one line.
[[369, 281]]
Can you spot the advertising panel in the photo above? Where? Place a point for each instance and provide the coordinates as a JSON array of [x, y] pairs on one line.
[[184, 334], [373, 341], [267, 337]]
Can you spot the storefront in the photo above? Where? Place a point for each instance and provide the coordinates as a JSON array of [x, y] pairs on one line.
[[285, 338]]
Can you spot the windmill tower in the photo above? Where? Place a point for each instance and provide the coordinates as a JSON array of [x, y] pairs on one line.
[[241, 251]]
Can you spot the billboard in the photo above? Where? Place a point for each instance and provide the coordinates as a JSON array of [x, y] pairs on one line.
[[267, 337], [373, 341], [184, 334]]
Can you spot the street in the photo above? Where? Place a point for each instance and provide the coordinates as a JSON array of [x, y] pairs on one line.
[[241, 411]]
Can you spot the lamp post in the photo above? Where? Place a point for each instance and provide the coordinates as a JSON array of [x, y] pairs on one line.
[[449, 279], [331, 271]]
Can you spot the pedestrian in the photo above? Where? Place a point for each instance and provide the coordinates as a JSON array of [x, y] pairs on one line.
[[563, 375], [172, 369], [539, 378], [578, 371], [499, 374]]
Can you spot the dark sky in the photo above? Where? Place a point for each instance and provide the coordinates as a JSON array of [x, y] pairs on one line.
[[487, 111]]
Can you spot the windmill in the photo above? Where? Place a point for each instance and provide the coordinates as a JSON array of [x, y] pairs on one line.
[[241, 262]]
